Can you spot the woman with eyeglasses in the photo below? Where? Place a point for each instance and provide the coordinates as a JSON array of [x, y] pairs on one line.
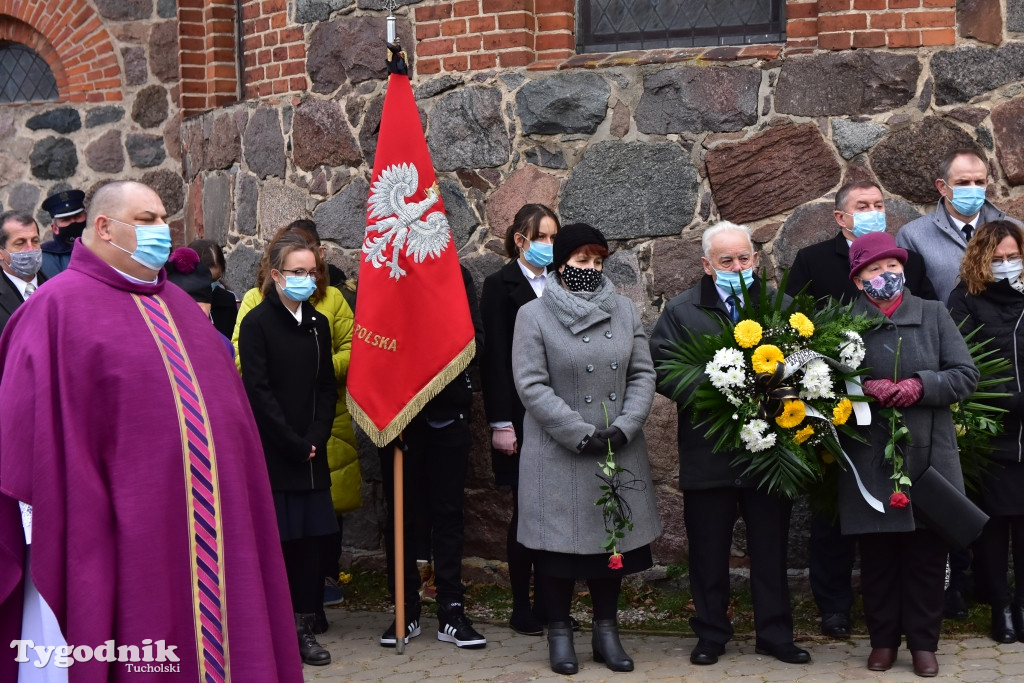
[[990, 296], [284, 346]]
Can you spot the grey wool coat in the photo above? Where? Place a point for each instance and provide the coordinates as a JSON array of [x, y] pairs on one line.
[[571, 353], [933, 350]]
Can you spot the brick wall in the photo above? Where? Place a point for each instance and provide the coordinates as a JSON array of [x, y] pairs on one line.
[[209, 66], [72, 39], [274, 49], [845, 24]]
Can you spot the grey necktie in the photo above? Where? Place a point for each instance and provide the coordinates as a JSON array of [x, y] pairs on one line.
[[29, 288]]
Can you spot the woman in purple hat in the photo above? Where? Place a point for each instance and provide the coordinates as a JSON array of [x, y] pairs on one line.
[[920, 365]]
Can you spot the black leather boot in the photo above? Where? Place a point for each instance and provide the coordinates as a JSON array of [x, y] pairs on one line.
[[1017, 616], [311, 651], [560, 648], [1002, 625], [607, 648]]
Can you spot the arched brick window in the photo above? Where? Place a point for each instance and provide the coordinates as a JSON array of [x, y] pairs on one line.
[[24, 75], [613, 25]]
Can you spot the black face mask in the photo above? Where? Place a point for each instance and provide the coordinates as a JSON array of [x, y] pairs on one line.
[[70, 232], [581, 279]]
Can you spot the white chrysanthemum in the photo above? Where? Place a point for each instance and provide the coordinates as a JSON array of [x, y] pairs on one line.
[[851, 352], [735, 376], [727, 357], [754, 438], [816, 381]]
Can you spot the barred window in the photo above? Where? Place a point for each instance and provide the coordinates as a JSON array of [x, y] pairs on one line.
[[24, 75], [613, 25]]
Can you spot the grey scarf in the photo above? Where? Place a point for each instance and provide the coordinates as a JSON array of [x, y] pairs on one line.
[[573, 308]]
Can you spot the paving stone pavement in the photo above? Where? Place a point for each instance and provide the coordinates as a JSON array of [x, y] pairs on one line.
[[510, 658]]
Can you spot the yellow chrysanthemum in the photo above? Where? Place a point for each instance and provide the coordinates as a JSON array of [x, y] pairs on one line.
[[804, 434], [793, 413], [841, 413], [747, 333], [802, 324], [766, 357], [827, 458]]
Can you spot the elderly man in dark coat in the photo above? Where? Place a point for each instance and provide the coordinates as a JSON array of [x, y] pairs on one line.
[[713, 489]]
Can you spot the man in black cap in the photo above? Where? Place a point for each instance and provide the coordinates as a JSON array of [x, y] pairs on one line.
[[67, 214]]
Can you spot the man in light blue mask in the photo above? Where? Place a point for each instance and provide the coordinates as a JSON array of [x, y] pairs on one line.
[[132, 236], [941, 237], [713, 489]]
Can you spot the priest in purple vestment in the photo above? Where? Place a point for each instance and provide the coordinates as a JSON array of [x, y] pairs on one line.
[[127, 439]]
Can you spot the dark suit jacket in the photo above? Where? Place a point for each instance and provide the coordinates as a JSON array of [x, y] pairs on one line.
[[826, 266], [10, 297], [504, 293]]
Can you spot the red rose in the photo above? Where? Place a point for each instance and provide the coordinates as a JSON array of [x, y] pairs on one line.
[[899, 500], [615, 561]]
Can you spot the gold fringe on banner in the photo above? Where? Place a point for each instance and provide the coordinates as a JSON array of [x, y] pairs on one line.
[[382, 437]]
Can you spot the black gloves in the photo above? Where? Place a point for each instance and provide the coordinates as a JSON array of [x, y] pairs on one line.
[[597, 443]]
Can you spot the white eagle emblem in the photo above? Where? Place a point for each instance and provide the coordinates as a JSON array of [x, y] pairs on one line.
[[402, 223]]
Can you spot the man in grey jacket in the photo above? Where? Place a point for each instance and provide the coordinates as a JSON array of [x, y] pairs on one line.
[[941, 236], [714, 490]]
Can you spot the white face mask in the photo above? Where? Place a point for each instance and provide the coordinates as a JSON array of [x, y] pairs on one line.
[[1007, 270]]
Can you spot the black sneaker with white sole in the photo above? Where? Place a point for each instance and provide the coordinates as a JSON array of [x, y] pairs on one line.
[[412, 629], [453, 626]]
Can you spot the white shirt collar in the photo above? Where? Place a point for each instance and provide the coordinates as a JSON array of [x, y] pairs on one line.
[[136, 280], [725, 294], [537, 282], [21, 284]]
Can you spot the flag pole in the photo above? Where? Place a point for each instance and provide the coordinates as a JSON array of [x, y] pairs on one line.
[[399, 551]]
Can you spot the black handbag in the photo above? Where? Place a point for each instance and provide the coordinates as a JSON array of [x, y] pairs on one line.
[[945, 510]]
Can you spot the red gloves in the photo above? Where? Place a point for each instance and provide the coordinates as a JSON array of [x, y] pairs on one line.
[[503, 439], [889, 394]]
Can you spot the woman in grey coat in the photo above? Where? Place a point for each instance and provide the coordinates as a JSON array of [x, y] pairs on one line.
[[577, 351], [902, 563]]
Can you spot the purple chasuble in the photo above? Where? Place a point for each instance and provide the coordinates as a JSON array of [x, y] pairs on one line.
[[126, 427]]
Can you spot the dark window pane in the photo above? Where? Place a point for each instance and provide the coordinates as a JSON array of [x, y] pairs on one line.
[[24, 75], [611, 25]]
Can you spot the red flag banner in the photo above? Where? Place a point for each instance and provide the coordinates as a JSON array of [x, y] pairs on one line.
[[413, 332]]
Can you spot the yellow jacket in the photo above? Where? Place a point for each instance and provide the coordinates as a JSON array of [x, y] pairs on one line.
[[342, 456]]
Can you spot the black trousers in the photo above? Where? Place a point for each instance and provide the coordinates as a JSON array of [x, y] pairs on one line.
[[831, 565], [902, 578], [302, 563], [435, 467], [709, 515], [990, 565]]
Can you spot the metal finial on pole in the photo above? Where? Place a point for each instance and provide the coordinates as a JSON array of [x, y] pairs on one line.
[[396, 57], [390, 6]]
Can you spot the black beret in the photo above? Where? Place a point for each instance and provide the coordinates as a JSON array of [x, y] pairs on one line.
[[571, 237], [66, 203]]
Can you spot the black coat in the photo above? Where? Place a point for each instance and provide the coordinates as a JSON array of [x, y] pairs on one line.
[[826, 266], [505, 292], [224, 311], [998, 311], [289, 377], [10, 297], [695, 311]]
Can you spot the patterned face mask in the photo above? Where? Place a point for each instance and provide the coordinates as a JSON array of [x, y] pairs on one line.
[[884, 287], [581, 279]]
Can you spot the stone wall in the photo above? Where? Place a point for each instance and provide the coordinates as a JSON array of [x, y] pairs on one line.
[[652, 154], [118, 114]]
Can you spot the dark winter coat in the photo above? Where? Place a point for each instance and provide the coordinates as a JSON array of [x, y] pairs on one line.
[[999, 312], [698, 311], [224, 311], [288, 375], [825, 268], [505, 292], [932, 350], [10, 297]]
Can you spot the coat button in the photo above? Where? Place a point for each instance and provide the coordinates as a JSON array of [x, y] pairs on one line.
[[615, 365], [588, 398], [586, 339], [590, 368], [738, 482], [608, 334], [612, 396]]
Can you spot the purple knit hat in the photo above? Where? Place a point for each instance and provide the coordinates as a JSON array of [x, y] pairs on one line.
[[872, 247]]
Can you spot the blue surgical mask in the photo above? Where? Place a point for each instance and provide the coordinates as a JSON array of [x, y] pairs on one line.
[[968, 199], [298, 288], [152, 244], [539, 254], [730, 279], [867, 221]]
